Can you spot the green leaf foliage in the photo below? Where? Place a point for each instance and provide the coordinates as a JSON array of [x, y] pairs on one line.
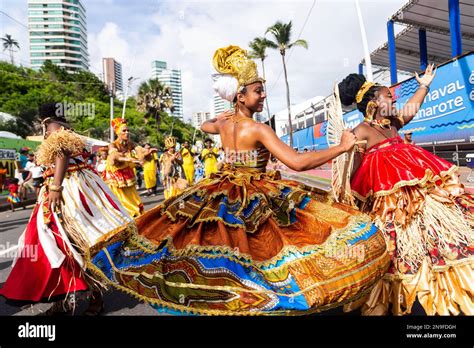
[[86, 101]]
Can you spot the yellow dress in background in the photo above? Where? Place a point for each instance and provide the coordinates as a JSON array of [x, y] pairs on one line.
[[121, 180], [210, 161], [149, 170], [188, 165]]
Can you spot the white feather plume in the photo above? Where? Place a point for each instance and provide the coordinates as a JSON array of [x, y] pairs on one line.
[[341, 165], [225, 86]]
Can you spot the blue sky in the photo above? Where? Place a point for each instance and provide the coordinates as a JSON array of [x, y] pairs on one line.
[[186, 34]]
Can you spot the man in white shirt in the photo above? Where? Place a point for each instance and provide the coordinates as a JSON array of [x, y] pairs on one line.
[[35, 175]]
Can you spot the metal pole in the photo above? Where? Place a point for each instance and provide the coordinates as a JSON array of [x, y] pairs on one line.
[[111, 94], [392, 52], [455, 28], [129, 83], [423, 49], [368, 61], [126, 96]]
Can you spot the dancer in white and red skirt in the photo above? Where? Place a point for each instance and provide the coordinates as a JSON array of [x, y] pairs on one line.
[[75, 212]]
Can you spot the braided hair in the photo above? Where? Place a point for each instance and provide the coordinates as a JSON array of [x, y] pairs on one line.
[[349, 87]]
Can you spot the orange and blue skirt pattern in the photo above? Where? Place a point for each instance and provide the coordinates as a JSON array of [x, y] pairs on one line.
[[245, 242]]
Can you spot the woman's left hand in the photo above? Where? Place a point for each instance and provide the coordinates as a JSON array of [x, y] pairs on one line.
[[428, 76], [54, 201]]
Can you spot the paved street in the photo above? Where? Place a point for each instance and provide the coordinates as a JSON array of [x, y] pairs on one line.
[[11, 227]]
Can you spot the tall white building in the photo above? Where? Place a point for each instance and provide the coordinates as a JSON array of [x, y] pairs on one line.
[[199, 118], [112, 71], [58, 32], [172, 78], [219, 105]]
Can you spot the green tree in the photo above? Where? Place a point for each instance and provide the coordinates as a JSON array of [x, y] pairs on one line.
[[258, 47], [9, 44], [23, 90], [281, 33], [153, 98]]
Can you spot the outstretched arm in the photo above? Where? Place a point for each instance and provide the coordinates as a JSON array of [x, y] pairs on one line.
[[412, 106], [301, 161], [116, 156]]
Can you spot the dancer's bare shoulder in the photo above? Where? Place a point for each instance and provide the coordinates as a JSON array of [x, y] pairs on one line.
[[362, 131]]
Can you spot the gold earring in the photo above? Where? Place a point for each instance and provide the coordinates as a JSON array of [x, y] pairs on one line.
[[370, 110]]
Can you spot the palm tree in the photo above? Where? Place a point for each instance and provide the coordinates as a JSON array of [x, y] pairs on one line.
[[282, 40], [8, 44], [258, 48], [154, 97]]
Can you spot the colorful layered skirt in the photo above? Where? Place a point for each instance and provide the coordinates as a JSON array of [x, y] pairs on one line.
[[53, 251], [245, 242], [427, 219], [13, 197]]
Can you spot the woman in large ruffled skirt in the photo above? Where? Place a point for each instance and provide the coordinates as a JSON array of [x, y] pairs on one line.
[[244, 241]]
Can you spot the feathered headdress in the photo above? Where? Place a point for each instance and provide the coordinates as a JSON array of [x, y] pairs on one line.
[[235, 69], [118, 123]]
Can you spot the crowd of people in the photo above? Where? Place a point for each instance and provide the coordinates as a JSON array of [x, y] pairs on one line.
[[125, 167], [242, 240]]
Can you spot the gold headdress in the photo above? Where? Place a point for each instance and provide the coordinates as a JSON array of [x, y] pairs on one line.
[[170, 142], [365, 87], [233, 61]]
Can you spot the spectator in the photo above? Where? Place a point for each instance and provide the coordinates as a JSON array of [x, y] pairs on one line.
[[408, 138], [13, 196], [35, 174], [27, 182], [101, 164], [209, 156]]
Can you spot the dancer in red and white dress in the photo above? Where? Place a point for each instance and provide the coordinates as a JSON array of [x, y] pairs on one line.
[[416, 199], [75, 212]]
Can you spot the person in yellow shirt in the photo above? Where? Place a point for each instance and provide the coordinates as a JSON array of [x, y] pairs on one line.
[[120, 163], [188, 162], [209, 157], [150, 159]]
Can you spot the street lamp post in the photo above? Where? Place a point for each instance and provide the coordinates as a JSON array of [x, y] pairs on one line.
[[368, 62], [111, 94], [129, 84]]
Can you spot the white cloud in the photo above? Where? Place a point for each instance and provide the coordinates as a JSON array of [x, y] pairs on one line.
[[186, 34], [109, 42]]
